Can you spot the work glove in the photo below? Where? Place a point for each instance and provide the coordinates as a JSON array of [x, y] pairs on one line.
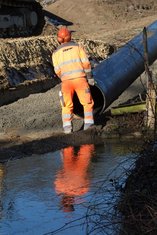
[[90, 79]]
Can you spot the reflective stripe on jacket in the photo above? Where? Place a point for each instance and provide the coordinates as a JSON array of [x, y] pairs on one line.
[[70, 61]]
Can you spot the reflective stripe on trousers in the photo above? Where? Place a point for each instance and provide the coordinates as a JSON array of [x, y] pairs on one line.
[[66, 118], [88, 118], [81, 87]]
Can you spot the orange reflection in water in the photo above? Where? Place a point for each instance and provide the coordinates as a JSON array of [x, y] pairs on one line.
[[73, 179]]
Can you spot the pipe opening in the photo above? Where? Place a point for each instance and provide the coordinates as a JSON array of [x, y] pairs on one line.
[[99, 102]]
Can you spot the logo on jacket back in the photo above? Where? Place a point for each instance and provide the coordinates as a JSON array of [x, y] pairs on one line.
[[67, 49]]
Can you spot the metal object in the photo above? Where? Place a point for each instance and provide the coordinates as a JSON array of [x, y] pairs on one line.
[[115, 74], [20, 18], [61, 99]]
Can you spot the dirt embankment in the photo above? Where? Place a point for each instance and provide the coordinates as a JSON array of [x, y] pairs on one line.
[[109, 20], [101, 26], [25, 64]]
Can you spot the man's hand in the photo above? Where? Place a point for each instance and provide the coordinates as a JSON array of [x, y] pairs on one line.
[[90, 79], [91, 82]]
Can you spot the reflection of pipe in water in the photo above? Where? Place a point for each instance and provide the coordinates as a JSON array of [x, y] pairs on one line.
[[115, 74], [73, 179]]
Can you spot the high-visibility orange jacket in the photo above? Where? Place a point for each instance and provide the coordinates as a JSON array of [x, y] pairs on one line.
[[70, 61]]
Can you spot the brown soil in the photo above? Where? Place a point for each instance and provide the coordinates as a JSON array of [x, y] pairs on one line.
[[109, 20]]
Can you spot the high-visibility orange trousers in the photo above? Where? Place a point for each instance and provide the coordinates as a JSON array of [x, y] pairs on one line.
[[81, 87]]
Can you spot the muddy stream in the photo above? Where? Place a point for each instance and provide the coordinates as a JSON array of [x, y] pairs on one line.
[[69, 191]]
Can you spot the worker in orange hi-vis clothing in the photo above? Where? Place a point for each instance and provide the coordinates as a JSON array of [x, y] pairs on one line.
[[73, 179], [72, 66]]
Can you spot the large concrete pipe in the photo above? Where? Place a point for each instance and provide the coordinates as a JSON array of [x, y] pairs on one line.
[[115, 74]]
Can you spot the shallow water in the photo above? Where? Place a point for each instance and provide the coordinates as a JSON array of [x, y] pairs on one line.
[[64, 189]]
